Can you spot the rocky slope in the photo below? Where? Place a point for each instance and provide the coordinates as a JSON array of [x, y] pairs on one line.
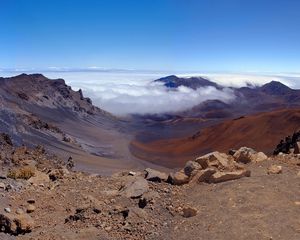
[[37, 110], [253, 118], [245, 195]]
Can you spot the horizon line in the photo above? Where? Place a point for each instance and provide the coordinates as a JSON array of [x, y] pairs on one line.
[[123, 70]]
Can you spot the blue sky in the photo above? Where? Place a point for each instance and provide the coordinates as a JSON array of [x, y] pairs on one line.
[[186, 35]]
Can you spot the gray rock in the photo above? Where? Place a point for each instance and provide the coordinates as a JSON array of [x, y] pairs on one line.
[[8, 210], [178, 178], [191, 167], [155, 176], [214, 159], [203, 175], [246, 155], [135, 187]]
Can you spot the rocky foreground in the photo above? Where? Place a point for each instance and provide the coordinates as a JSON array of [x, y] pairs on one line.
[[240, 195]]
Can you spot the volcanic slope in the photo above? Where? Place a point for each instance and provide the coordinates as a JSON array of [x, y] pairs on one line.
[[260, 131], [37, 110]]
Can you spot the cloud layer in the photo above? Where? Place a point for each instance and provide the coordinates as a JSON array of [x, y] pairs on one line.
[[129, 92]]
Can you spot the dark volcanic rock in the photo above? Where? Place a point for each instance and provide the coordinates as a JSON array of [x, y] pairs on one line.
[[173, 81], [276, 88]]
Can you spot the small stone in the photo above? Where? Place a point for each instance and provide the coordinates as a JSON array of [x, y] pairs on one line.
[[19, 211], [30, 208], [275, 169], [142, 203], [9, 187], [108, 228], [31, 201], [231, 152], [8, 210], [189, 212], [297, 203], [2, 185], [2, 176], [131, 173]]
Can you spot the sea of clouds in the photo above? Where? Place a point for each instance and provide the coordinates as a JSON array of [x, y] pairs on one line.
[[134, 92]]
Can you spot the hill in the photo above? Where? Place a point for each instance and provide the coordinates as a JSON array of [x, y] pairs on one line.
[[260, 131]]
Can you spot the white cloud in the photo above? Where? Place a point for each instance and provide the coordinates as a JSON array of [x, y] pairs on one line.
[[152, 98], [134, 92], [130, 93]]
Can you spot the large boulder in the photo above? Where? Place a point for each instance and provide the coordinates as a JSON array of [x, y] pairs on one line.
[[135, 187], [203, 175], [227, 176], [215, 159], [247, 155], [155, 176], [191, 168], [178, 178]]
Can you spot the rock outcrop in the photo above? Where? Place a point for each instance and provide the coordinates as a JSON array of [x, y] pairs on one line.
[[289, 144], [217, 167], [60, 203], [247, 155]]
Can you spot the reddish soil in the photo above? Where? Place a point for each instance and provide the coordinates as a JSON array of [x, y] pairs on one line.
[[259, 131]]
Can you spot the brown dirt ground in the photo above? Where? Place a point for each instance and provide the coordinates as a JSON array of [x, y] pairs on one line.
[[258, 207]]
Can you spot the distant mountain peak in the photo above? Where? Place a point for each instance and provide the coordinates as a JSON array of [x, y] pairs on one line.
[[32, 75], [173, 81], [275, 88]]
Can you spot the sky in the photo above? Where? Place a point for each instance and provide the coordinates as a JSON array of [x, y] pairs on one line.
[[161, 35], [114, 49]]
